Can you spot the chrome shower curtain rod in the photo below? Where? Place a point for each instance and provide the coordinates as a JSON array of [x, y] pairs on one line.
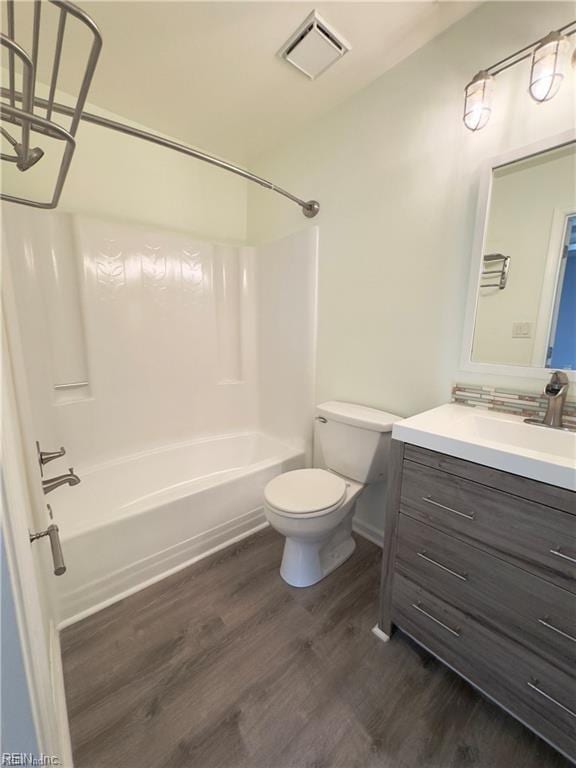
[[309, 207]]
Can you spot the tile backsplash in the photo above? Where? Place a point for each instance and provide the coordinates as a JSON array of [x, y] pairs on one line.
[[525, 404]]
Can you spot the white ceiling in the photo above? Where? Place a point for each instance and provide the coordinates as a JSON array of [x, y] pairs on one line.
[[208, 73]]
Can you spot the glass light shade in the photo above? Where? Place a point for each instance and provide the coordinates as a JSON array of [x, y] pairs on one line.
[[478, 101], [549, 63]]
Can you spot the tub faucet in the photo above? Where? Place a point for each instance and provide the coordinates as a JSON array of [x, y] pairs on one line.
[[55, 482], [555, 392]]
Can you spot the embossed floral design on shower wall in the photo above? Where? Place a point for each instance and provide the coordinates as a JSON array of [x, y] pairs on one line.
[[110, 269], [154, 265], [192, 275], [159, 268], [167, 327]]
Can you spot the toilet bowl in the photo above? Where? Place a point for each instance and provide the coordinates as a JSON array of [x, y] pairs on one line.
[[313, 508]]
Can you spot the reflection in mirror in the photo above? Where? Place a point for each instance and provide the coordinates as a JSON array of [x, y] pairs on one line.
[[561, 352], [526, 305]]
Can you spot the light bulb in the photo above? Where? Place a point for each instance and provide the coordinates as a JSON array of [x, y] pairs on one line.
[[478, 101], [548, 69]]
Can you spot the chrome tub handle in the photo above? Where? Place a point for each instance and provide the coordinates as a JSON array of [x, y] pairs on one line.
[[426, 556], [44, 457], [430, 500], [418, 607], [55, 545]]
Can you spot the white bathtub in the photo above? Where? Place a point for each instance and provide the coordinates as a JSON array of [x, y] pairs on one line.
[[134, 520]]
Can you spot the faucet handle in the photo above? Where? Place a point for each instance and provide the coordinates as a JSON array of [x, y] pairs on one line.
[[44, 457], [558, 383]]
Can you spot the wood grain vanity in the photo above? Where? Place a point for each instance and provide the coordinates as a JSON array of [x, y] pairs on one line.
[[480, 568]]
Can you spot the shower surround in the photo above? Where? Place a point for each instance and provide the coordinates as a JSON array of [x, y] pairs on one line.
[[178, 374]]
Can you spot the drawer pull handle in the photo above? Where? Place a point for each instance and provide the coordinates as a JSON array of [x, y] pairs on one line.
[[430, 500], [546, 623], [561, 554], [535, 687], [426, 556], [418, 607]]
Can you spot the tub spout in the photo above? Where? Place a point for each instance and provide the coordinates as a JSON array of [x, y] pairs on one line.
[[55, 482]]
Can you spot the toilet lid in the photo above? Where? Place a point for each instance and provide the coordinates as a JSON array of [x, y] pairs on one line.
[[305, 490]]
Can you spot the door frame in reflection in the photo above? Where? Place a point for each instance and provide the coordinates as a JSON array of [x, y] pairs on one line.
[[561, 351], [550, 287]]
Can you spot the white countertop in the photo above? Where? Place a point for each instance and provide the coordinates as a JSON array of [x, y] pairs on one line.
[[499, 440]]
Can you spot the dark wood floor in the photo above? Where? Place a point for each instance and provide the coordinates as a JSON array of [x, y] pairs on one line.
[[223, 665]]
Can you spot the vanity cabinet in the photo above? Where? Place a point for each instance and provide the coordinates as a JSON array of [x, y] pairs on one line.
[[479, 568]]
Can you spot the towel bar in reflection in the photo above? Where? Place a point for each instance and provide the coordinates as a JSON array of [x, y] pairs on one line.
[[495, 264]]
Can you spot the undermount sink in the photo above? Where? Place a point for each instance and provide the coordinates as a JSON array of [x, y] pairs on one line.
[[500, 440], [530, 437]]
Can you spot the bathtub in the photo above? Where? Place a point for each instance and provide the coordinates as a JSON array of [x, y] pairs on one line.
[[134, 520]]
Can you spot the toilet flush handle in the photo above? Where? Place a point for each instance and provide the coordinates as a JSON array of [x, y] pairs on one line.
[[321, 419]]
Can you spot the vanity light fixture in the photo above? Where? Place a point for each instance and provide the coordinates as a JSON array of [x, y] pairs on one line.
[[549, 62], [548, 69], [478, 101]]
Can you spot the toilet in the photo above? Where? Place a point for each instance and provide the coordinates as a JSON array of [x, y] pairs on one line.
[[313, 508]]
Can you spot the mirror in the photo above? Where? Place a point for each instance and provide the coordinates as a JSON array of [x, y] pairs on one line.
[[526, 282]]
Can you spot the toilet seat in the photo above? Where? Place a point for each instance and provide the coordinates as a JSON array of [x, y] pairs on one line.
[[305, 492]]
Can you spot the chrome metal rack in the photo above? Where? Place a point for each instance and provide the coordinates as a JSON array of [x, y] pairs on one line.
[[27, 119], [492, 259]]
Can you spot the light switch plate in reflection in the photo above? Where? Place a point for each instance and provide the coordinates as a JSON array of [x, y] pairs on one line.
[[522, 330]]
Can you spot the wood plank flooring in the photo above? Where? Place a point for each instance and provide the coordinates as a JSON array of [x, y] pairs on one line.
[[223, 665]]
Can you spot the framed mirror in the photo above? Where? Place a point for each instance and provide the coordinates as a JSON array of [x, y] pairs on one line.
[[521, 313]]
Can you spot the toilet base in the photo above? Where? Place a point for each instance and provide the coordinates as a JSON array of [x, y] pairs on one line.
[[305, 563]]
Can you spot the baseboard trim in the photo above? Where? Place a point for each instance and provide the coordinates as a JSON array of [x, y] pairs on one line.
[[112, 588], [59, 698], [379, 634], [121, 584], [368, 531]]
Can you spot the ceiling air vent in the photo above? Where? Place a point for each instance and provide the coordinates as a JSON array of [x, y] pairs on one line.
[[314, 47]]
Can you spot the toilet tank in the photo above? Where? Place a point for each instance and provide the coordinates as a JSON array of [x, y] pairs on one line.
[[355, 439]]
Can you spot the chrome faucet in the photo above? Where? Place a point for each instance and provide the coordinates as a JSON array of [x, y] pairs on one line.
[[55, 482], [555, 391]]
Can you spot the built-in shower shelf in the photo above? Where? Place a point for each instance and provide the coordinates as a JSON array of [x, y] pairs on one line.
[[73, 392]]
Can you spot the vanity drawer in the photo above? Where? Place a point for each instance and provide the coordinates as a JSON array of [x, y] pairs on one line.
[[524, 607], [539, 694], [530, 535]]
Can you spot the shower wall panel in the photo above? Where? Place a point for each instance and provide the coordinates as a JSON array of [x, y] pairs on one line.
[[160, 326], [42, 305], [287, 319], [134, 338]]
